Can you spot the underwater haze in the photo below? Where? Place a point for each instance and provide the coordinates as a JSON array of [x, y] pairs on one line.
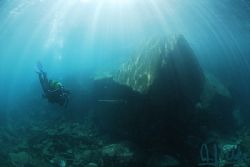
[[97, 35], [84, 43]]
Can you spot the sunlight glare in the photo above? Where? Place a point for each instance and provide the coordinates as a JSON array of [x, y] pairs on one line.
[[109, 2], [85, 1]]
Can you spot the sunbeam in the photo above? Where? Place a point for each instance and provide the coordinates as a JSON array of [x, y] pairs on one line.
[[100, 83]]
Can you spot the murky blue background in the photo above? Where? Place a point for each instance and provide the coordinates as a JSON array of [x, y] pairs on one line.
[[77, 39]]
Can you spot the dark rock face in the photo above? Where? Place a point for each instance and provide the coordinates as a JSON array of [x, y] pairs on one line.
[[168, 74], [164, 66], [160, 97], [213, 91], [117, 108], [215, 108], [180, 76]]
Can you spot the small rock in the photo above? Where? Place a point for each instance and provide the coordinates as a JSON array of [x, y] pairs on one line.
[[118, 153], [229, 147]]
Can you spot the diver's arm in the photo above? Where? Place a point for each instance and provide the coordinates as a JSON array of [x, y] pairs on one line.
[[53, 91]]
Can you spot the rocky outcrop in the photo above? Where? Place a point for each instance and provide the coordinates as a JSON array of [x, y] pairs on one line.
[[161, 97], [213, 92], [163, 67], [156, 89], [215, 107]]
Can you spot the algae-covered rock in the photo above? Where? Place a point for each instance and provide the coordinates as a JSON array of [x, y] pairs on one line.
[[153, 95], [141, 70], [71, 142], [165, 66], [20, 159], [160, 96], [161, 81], [118, 154]]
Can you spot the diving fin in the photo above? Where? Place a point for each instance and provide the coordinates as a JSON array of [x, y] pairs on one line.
[[39, 67]]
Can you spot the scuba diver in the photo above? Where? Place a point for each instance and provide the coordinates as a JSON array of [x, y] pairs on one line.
[[54, 91]]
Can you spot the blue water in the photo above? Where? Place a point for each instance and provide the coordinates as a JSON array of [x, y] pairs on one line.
[[80, 39], [77, 37]]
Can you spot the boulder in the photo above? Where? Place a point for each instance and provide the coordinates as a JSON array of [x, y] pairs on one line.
[[154, 91], [165, 67], [167, 72], [160, 96], [117, 155]]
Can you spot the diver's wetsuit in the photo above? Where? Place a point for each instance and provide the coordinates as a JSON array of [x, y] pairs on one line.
[[59, 95]]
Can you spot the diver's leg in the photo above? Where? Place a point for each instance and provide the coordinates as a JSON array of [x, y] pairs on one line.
[[45, 78], [40, 75], [44, 82]]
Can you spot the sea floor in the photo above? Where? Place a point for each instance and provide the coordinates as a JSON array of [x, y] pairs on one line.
[[50, 139]]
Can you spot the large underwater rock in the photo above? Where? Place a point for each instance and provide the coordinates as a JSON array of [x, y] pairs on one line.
[[160, 97], [163, 67], [162, 81]]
